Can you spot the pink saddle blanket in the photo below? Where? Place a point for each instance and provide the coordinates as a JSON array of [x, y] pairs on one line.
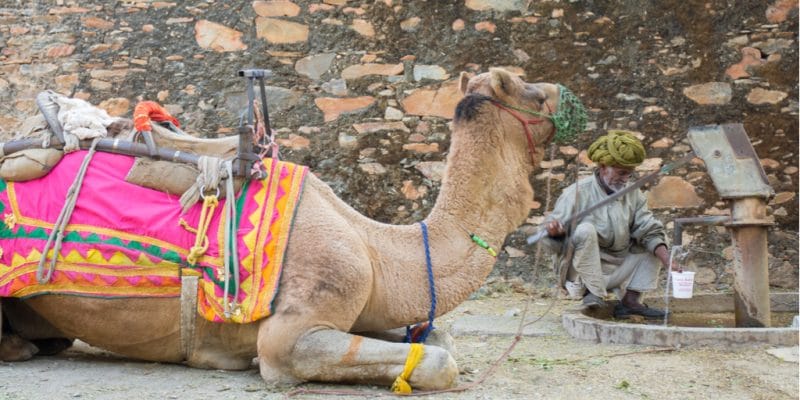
[[125, 240]]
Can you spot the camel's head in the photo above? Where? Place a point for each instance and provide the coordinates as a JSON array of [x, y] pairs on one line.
[[504, 86], [544, 110]]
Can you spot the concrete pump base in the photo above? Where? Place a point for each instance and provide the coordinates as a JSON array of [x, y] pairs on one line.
[[586, 325]]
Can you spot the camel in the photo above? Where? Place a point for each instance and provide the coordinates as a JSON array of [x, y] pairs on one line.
[[348, 282]]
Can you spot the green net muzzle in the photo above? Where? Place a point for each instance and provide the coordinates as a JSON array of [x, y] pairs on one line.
[[570, 119]]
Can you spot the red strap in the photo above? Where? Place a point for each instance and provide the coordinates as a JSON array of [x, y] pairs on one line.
[[146, 111], [525, 123], [416, 332]]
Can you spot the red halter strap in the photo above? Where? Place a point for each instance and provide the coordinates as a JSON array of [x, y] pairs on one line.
[[525, 124]]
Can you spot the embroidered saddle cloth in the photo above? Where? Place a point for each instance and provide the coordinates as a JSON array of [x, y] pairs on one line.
[[125, 240]]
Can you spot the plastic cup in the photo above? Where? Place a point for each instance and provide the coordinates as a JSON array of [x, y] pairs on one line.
[[574, 289], [682, 284]]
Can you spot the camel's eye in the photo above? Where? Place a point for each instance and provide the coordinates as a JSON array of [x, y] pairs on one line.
[[533, 93]]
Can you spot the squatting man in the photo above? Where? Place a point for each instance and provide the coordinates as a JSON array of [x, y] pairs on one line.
[[619, 247]]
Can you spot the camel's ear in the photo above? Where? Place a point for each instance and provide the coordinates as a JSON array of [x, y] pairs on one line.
[[503, 84], [463, 81]]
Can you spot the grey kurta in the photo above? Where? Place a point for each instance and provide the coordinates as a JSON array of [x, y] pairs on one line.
[[614, 245]]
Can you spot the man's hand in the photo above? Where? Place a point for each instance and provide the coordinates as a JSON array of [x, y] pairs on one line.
[[662, 252], [555, 229]]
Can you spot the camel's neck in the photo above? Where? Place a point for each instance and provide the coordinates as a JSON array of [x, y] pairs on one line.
[[483, 193], [486, 192]]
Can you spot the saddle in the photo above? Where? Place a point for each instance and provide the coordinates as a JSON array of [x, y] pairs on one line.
[[167, 158]]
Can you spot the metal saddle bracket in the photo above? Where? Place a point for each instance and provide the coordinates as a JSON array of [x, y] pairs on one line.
[[246, 156]]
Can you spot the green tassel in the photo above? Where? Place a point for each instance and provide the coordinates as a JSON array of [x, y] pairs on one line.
[[482, 243]]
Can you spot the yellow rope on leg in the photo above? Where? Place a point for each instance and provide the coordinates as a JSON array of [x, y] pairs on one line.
[[201, 240], [401, 385]]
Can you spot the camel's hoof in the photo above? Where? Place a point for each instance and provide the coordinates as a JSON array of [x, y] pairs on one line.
[[15, 348]]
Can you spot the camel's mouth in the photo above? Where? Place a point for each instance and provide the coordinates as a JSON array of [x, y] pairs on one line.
[[570, 117]]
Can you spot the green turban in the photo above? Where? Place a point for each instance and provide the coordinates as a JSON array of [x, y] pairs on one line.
[[617, 149]]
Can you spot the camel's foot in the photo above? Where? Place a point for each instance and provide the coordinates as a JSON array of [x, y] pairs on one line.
[[15, 348], [52, 346]]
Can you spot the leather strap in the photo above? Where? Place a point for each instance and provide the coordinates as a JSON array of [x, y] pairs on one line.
[[188, 314]]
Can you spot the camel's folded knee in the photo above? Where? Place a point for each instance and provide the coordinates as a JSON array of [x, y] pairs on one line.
[[275, 376]]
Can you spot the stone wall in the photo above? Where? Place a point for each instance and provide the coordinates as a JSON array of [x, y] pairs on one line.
[[363, 90]]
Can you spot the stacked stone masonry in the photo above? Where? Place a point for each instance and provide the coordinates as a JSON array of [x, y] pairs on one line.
[[363, 91]]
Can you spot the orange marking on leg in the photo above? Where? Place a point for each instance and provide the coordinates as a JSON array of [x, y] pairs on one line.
[[349, 358]]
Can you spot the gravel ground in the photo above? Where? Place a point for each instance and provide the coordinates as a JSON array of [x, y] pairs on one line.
[[548, 365]]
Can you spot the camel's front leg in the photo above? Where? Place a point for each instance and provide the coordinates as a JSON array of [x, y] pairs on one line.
[[328, 355]]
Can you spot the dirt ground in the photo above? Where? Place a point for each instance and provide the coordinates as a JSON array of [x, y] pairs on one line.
[[548, 365]]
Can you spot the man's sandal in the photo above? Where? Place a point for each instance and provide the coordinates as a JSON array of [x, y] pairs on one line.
[[622, 312]]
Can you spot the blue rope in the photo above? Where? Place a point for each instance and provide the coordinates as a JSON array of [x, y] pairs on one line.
[[424, 335]]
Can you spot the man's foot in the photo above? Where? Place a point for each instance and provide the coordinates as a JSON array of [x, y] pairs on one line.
[[623, 312], [592, 300]]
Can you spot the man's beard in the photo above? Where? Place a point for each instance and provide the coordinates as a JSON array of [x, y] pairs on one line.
[[614, 186]]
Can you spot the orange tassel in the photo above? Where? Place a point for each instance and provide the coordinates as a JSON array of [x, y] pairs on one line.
[[146, 111]]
